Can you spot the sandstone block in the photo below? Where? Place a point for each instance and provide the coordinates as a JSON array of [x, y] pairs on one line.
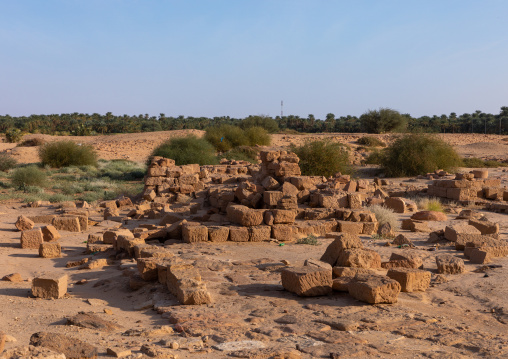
[[485, 227], [24, 223], [218, 233], [271, 198], [429, 216], [341, 242], [191, 234], [239, 234], [50, 234], [51, 286], [70, 224], [374, 289], [453, 232], [411, 280], [259, 233], [31, 238], [307, 281], [283, 216], [484, 255], [448, 264], [50, 250], [284, 232], [147, 268], [350, 227], [192, 292], [363, 258], [245, 216]]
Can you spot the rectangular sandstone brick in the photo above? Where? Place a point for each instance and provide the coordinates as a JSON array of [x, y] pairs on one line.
[[410, 279], [50, 234], [374, 289], [350, 227], [70, 224], [271, 198], [238, 234], [147, 268], [284, 232], [50, 250], [192, 234], [307, 281], [259, 233], [31, 238], [218, 233], [52, 286]]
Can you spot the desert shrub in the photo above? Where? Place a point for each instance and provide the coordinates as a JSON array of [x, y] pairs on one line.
[[33, 190], [122, 170], [474, 162], [375, 158], [385, 215], [418, 154], [383, 120], [72, 189], [257, 136], [241, 153], [60, 197], [90, 197], [7, 162], [310, 240], [371, 141], [187, 150], [13, 135], [268, 123], [67, 153], [323, 158], [429, 204], [226, 137], [28, 176], [29, 198]]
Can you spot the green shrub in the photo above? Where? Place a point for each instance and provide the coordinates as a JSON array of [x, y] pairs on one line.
[[371, 141], [323, 158], [72, 189], [33, 190], [122, 170], [258, 136], [429, 204], [310, 240], [28, 176], [187, 150], [67, 153], [60, 197], [13, 135], [385, 215], [474, 162], [242, 153], [268, 123], [7, 162], [418, 154], [383, 120], [226, 137]]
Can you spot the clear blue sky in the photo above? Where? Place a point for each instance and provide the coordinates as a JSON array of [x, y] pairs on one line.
[[239, 57]]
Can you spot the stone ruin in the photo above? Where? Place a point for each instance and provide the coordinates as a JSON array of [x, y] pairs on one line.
[[271, 201]]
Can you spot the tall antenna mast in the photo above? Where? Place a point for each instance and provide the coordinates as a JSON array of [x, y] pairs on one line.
[[281, 108]]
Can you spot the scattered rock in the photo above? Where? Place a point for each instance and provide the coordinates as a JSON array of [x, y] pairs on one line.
[[72, 348], [448, 264], [91, 321], [14, 277]]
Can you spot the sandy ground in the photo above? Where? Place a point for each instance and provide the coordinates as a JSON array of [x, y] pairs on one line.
[[462, 316], [138, 146]]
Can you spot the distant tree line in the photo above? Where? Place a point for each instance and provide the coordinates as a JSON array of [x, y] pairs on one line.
[[373, 121]]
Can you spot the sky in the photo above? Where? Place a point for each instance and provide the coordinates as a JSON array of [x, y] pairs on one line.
[[239, 57]]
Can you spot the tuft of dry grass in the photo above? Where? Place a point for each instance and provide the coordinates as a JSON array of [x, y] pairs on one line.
[[385, 215]]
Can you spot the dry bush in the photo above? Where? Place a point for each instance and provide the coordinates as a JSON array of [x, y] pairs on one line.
[[385, 215]]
